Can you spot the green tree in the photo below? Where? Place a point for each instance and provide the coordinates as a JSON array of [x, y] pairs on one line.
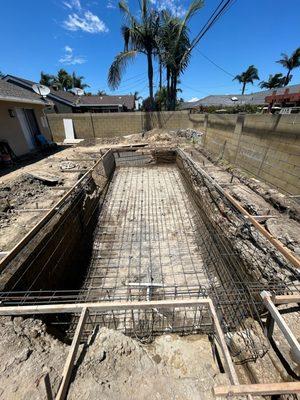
[[63, 80], [274, 81], [101, 93], [290, 63], [47, 79], [161, 99], [78, 81], [175, 47], [139, 35], [247, 76]]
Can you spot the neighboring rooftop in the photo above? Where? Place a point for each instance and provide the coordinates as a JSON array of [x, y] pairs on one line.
[[10, 92], [256, 98], [127, 101]]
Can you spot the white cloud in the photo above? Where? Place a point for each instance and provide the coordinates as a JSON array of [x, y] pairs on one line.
[[193, 99], [87, 22], [173, 6], [72, 4], [68, 49], [110, 4], [70, 59]]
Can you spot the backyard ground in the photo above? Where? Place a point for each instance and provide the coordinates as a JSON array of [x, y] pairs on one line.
[[112, 365]]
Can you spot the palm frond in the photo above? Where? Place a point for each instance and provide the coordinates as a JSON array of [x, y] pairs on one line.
[[118, 67]]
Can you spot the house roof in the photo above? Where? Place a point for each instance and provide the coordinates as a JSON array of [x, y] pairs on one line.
[[10, 92], [257, 98], [73, 100], [127, 101]]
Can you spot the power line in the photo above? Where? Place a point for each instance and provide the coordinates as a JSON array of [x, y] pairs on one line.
[[215, 64], [222, 7]]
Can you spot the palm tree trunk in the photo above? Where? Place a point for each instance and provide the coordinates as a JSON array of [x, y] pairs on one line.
[[168, 88], [171, 91], [287, 78], [175, 92], [160, 74], [150, 79], [244, 87]]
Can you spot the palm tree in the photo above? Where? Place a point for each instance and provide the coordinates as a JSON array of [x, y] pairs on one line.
[[77, 81], [64, 80], [274, 81], [139, 37], [290, 63], [137, 97], [101, 93], [247, 76], [47, 79], [175, 47]]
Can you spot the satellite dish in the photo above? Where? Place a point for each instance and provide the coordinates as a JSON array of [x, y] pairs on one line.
[[42, 90], [234, 98], [77, 91]]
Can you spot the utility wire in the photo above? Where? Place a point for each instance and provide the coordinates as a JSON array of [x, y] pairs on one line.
[[215, 64], [222, 7]]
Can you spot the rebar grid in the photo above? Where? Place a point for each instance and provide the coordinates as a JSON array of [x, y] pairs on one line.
[[145, 235]]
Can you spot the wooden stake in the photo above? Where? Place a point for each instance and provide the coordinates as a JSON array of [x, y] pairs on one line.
[[288, 334], [228, 361], [67, 372]]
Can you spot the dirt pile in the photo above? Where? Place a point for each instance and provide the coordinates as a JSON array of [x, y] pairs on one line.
[[111, 367], [27, 353], [116, 367]]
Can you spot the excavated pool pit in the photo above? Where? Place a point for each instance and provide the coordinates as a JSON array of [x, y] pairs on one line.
[[143, 226]]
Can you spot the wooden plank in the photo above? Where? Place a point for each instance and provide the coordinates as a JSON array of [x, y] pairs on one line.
[[287, 299], [263, 217], [288, 334], [99, 306], [68, 368], [74, 170], [4, 261], [258, 389], [32, 210], [229, 366], [60, 187], [48, 388], [276, 243]]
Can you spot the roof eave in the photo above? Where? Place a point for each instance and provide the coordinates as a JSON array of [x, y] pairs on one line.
[[99, 105], [23, 100]]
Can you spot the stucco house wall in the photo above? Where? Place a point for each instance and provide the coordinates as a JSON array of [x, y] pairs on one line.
[[10, 127]]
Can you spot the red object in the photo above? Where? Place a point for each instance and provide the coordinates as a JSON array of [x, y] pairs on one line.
[[281, 98]]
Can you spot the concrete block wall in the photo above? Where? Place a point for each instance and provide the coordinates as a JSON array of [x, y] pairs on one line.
[[97, 125], [265, 146], [119, 124]]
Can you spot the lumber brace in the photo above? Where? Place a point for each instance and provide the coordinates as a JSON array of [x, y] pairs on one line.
[[288, 334], [258, 389]]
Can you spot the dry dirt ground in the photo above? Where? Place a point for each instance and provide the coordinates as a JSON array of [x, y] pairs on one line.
[[111, 367], [114, 366]]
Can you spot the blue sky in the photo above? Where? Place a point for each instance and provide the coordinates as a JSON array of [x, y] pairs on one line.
[[84, 36]]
